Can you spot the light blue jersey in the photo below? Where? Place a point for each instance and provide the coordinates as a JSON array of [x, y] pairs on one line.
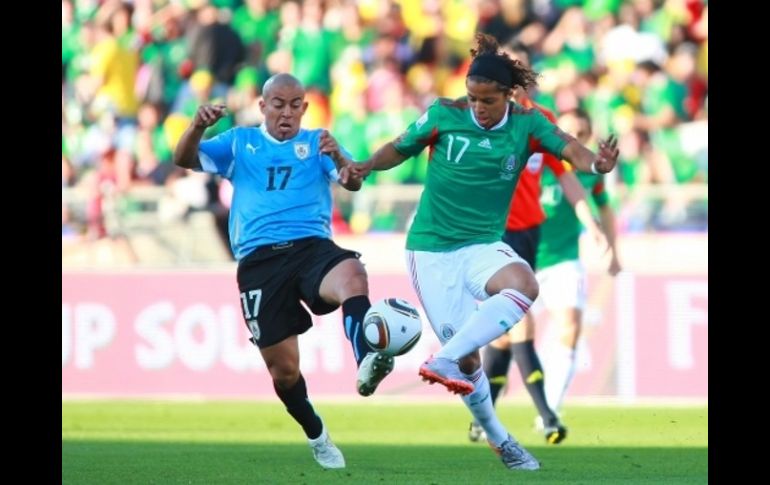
[[281, 189]]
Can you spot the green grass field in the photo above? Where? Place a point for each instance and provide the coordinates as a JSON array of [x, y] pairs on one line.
[[384, 443]]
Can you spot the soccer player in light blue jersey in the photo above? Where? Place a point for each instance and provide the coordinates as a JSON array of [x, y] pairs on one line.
[[280, 234]]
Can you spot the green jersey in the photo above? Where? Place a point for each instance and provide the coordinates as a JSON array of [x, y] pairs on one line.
[[560, 232], [471, 171]]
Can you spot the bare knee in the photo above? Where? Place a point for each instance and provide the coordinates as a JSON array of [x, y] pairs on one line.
[[356, 284], [517, 276], [282, 361], [529, 288], [284, 374], [346, 280]]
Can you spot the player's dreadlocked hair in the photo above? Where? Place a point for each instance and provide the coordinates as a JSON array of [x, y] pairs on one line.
[[491, 65]]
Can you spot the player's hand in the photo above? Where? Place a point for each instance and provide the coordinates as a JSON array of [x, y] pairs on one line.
[[614, 267], [328, 146], [344, 174], [208, 114], [600, 240], [361, 170], [608, 154]]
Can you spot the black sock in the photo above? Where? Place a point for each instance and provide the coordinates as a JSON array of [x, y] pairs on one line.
[[353, 311], [532, 375], [496, 365], [298, 405]]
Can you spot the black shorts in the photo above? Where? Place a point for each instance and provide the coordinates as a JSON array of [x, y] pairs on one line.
[[273, 279], [525, 243]]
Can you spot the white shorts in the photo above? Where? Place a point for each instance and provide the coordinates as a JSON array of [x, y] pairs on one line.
[[448, 284], [563, 285]]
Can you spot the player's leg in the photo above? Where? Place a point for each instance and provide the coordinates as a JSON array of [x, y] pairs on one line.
[[506, 285], [533, 377], [497, 361], [282, 361], [522, 336], [497, 271], [497, 355], [341, 279], [438, 281], [346, 284], [447, 304], [564, 294], [273, 314], [511, 453], [561, 361]]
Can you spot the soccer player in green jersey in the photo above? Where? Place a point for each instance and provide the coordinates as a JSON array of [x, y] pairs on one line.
[[560, 274], [479, 144]]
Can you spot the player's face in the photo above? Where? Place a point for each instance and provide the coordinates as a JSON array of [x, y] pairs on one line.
[[487, 102], [283, 107]]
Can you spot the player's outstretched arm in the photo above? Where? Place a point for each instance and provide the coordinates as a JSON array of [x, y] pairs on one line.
[[607, 217], [587, 161], [576, 195], [385, 158], [186, 152], [328, 146]]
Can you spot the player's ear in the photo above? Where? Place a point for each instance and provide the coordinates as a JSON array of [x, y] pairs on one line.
[[262, 104], [304, 106]]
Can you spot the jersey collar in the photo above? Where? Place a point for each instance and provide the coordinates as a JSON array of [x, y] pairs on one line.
[[263, 129], [497, 126]]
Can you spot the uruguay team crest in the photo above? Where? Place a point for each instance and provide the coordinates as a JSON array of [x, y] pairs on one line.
[[254, 329], [301, 150]]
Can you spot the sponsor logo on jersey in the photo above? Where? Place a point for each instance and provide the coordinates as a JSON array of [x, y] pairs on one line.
[[251, 148], [302, 150], [485, 144]]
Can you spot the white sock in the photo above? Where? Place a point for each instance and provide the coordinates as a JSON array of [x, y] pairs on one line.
[[479, 402], [560, 370], [492, 318]]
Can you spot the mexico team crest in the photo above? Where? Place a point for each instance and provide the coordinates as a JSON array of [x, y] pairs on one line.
[[508, 168], [302, 150]]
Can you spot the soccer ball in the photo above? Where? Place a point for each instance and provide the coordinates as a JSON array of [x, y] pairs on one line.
[[392, 326]]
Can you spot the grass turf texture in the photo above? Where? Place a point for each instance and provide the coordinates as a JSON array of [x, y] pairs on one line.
[[242, 442]]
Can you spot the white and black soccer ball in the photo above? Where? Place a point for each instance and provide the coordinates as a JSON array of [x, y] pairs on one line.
[[392, 326]]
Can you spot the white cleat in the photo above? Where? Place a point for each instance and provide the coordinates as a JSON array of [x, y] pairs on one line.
[[325, 453], [372, 371], [515, 457]]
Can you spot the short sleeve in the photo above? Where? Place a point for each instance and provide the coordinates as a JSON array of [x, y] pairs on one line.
[[421, 133], [217, 155], [550, 136]]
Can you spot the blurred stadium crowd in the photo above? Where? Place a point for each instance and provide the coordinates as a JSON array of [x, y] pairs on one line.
[[134, 72]]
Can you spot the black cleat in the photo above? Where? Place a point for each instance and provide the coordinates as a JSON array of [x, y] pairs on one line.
[[555, 433]]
